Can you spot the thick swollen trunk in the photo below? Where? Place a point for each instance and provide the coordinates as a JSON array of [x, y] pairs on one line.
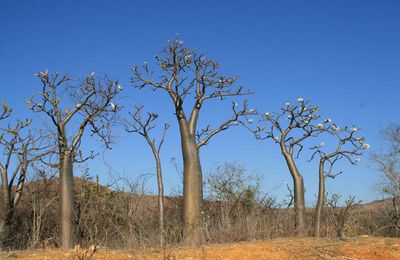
[[321, 200], [299, 202], [5, 214], [192, 186], [67, 205]]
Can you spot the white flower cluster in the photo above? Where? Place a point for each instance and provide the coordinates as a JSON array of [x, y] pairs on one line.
[[300, 99], [335, 127], [43, 73], [114, 107]]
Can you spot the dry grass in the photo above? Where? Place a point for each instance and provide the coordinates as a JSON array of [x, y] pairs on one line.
[[364, 248]]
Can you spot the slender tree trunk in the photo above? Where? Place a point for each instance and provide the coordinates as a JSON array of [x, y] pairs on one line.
[[321, 200], [192, 186], [5, 211], [67, 209], [299, 202], [160, 200]]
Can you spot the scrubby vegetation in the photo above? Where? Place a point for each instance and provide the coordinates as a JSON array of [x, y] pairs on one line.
[[235, 210]]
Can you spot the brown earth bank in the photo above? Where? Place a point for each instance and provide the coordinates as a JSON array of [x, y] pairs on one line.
[[362, 248]]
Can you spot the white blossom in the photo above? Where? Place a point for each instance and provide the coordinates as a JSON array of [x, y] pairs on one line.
[[335, 127], [287, 104], [366, 146], [252, 110], [321, 144], [300, 99], [78, 105], [357, 160], [354, 129], [120, 87], [320, 125], [328, 120], [44, 73], [235, 104], [250, 120], [289, 117], [267, 114], [113, 107]]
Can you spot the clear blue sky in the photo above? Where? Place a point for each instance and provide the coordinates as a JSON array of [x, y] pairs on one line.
[[342, 55]]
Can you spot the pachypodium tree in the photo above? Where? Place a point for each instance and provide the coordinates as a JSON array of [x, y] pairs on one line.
[[20, 148], [143, 126], [290, 128], [184, 72], [72, 108], [349, 146]]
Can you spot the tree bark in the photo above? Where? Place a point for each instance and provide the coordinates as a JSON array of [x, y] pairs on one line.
[[299, 202], [321, 200], [67, 205], [160, 199], [192, 186], [5, 211]]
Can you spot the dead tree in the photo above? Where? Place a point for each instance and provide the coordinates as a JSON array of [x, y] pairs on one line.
[[388, 164], [20, 148], [340, 215], [289, 128], [72, 108], [143, 126], [184, 72], [348, 146]]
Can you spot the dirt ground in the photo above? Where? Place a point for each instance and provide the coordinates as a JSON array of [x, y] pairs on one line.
[[308, 248]]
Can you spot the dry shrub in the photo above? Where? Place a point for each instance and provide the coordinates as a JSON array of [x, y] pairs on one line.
[[122, 216]]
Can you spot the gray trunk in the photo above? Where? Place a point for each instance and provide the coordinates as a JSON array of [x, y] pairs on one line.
[[192, 186], [299, 202], [67, 205], [5, 214], [160, 200], [321, 200]]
